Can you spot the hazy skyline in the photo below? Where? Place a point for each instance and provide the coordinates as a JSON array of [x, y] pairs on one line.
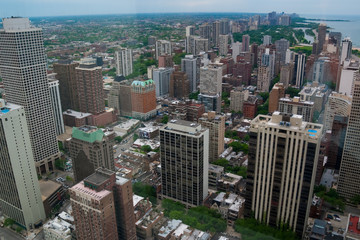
[[32, 8]]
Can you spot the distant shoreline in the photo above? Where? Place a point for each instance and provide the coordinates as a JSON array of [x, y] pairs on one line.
[[327, 20]]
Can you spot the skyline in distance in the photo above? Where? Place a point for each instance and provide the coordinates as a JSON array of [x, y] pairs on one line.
[[35, 8]]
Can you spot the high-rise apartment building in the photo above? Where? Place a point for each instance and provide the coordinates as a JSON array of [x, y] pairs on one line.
[[266, 40], [65, 70], [91, 148], [299, 69], [165, 61], [337, 140], [321, 38], [215, 33], [161, 77], [285, 20], [162, 47], [349, 178], [205, 32], [184, 154], [90, 87], [120, 96], [286, 74], [224, 26], [245, 47], [124, 62], [143, 99], [337, 104], [282, 46], [223, 44], [346, 50], [195, 45], [26, 84], [237, 99], [277, 92], [216, 125], [263, 78], [179, 85], [190, 30], [56, 104], [281, 170], [297, 106], [211, 79], [190, 66], [20, 197]]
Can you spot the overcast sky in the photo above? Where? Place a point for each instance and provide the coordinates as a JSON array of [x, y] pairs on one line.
[[29, 8]]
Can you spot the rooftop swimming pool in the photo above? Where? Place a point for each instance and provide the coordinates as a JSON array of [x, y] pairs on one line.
[[5, 110], [312, 131]]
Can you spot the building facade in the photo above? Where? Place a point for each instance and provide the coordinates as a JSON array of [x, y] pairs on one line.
[[223, 44], [124, 62], [237, 99], [337, 104], [161, 77], [162, 47], [277, 92], [190, 66], [179, 85], [143, 99], [56, 104], [296, 106]]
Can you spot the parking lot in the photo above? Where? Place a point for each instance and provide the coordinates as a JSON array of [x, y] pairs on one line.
[[338, 225]]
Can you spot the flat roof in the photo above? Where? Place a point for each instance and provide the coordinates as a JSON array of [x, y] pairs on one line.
[[81, 189], [96, 178], [353, 224], [76, 114], [121, 180], [47, 188]]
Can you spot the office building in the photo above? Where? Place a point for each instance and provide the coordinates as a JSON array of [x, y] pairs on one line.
[[337, 105], [321, 35], [29, 88], [296, 106], [346, 50], [268, 59], [65, 70], [266, 40], [282, 46], [277, 92], [184, 147], [91, 148], [349, 74], [162, 47], [56, 104], [245, 43], [90, 87], [143, 99], [179, 85], [223, 44], [237, 99], [272, 18], [190, 66], [161, 77], [281, 170], [20, 197], [216, 125], [211, 79], [264, 78], [124, 62], [349, 179]]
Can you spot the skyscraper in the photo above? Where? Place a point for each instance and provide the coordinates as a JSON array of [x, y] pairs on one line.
[[267, 40], [124, 62], [190, 30], [211, 79], [349, 178], [161, 77], [190, 66], [245, 43], [238, 97], [143, 99], [26, 84], [346, 50], [196, 44], [91, 148], [90, 87], [263, 78], [282, 46], [277, 92], [205, 32], [65, 70], [120, 96], [281, 170], [321, 37], [299, 69], [56, 104], [184, 154], [162, 47], [224, 26], [179, 85], [223, 44], [20, 197], [215, 33], [337, 104]]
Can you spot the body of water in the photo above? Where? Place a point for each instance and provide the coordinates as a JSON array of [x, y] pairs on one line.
[[350, 28]]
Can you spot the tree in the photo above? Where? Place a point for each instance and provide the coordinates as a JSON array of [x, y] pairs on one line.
[[146, 148], [355, 199], [8, 222], [145, 190], [194, 95], [239, 147], [70, 179], [165, 119], [18, 229], [292, 91], [118, 139], [135, 137], [60, 163]]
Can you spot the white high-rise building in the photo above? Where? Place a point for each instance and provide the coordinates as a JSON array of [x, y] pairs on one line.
[[56, 104], [23, 68], [223, 44], [211, 79], [124, 62], [161, 77], [190, 66], [20, 197], [162, 47], [190, 30], [337, 104], [346, 50]]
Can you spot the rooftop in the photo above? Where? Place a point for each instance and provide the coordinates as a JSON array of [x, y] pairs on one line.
[[353, 226], [171, 226], [96, 178], [88, 134], [136, 199], [121, 180], [142, 83], [76, 114], [81, 189], [60, 227], [47, 188], [6, 107]]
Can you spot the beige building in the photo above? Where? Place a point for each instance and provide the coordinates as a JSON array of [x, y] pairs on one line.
[[296, 106], [20, 197], [263, 78], [223, 44], [211, 79], [281, 169], [120, 97], [337, 104], [216, 125], [277, 92], [237, 99]]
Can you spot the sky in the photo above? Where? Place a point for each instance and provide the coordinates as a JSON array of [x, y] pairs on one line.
[[32, 8]]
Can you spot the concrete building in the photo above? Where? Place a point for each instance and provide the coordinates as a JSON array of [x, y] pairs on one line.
[[124, 62], [56, 104], [211, 102], [296, 106], [337, 104], [264, 78], [268, 59], [224, 26], [216, 125], [162, 47], [346, 50], [20, 197], [65, 70], [165, 61], [282, 144], [236, 48], [205, 32], [143, 99], [223, 44], [29, 88], [299, 69], [179, 85], [215, 33], [266, 40], [57, 229], [90, 87], [161, 77], [245, 47], [190, 30], [195, 45], [179, 184], [349, 74], [282, 46], [277, 92], [284, 20], [91, 148], [191, 67], [51, 194], [211, 79], [215, 173], [321, 36], [337, 140], [349, 179], [119, 96], [237, 99], [286, 74]]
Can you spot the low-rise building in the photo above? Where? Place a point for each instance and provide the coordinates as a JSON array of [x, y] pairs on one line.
[[57, 229], [125, 127], [230, 183], [145, 225], [51, 194], [215, 173], [353, 227]]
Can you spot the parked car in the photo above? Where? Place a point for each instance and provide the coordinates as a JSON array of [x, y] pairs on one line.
[[338, 219], [336, 216], [330, 216]]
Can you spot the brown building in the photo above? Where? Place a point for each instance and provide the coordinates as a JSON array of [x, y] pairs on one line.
[[76, 119], [286, 74], [90, 87], [93, 211], [336, 146], [179, 85], [235, 81], [250, 107], [166, 61], [143, 99], [51, 194], [188, 110], [91, 148], [228, 65], [277, 92], [67, 84], [216, 125], [243, 68]]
